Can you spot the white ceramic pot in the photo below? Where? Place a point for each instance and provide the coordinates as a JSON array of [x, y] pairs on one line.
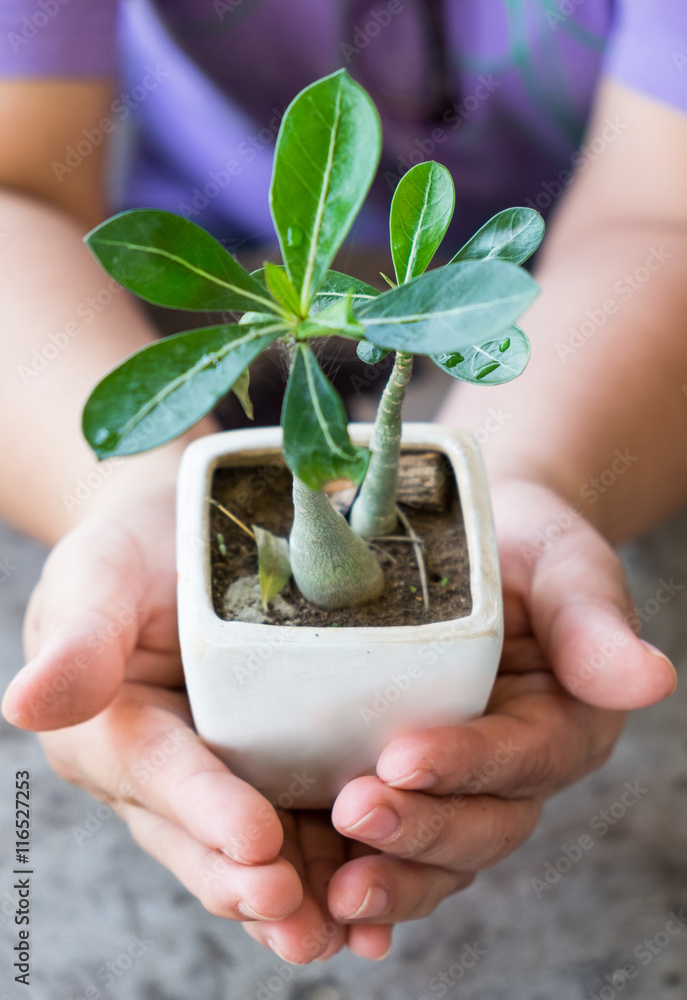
[[299, 711]]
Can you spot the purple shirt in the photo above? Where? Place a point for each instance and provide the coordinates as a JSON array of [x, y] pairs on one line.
[[497, 90]]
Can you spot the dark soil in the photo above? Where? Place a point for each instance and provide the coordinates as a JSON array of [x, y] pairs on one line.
[[261, 494]]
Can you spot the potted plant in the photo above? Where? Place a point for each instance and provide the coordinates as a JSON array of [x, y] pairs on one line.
[[298, 700]]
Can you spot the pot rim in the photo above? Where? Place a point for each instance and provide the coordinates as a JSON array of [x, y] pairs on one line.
[[203, 456]]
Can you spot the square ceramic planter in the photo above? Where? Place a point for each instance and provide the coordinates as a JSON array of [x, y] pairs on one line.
[[299, 711]]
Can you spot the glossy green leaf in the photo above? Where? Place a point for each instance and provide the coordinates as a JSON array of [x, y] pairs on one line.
[[336, 286], [325, 159], [449, 308], [421, 210], [274, 565], [511, 235], [370, 353], [316, 446], [166, 387], [281, 287], [492, 363], [170, 261], [337, 319], [241, 389]]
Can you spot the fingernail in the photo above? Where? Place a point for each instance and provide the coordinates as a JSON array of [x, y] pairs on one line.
[[273, 946], [381, 823], [14, 717], [657, 652], [252, 914], [376, 902], [418, 780]]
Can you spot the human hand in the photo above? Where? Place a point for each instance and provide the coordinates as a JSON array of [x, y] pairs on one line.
[[105, 685], [450, 801]]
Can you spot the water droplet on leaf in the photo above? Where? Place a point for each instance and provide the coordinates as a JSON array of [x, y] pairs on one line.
[[294, 236], [105, 438]]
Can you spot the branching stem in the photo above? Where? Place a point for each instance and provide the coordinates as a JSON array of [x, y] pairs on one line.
[[374, 511]]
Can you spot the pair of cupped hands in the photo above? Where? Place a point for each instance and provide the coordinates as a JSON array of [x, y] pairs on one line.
[[105, 687]]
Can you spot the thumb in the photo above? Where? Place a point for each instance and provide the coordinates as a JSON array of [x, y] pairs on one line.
[[581, 611], [81, 627]]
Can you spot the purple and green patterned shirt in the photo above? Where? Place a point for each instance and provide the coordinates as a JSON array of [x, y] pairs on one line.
[[497, 90]]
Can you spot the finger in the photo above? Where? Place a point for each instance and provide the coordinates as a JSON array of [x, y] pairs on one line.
[[534, 740], [323, 850], [574, 592], [461, 833], [387, 890], [141, 751], [224, 887], [372, 941], [309, 934], [81, 629]]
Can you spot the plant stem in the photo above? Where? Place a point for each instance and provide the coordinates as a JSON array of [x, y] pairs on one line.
[[332, 565], [374, 511]]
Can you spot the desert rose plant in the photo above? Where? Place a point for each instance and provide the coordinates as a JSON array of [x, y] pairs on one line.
[[462, 315]]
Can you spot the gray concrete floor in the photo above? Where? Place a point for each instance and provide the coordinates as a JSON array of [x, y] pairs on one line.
[[90, 900]]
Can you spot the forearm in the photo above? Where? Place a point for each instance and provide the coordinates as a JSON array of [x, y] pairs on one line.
[[63, 325], [600, 412]]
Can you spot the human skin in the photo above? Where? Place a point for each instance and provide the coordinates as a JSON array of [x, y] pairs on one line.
[[306, 884]]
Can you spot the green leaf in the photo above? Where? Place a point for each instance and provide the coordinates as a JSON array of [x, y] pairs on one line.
[[281, 287], [325, 159], [449, 308], [166, 387], [241, 389], [492, 363], [421, 210], [274, 565], [511, 235], [370, 353], [337, 319], [316, 446], [172, 262], [336, 286]]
